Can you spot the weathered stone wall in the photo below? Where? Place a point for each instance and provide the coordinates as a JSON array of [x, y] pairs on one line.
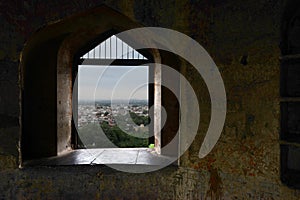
[[243, 39]]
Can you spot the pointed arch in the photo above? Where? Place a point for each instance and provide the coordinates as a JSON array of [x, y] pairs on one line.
[[46, 77]]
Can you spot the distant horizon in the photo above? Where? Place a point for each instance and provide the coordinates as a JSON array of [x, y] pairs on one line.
[[119, 101], [111, 99]]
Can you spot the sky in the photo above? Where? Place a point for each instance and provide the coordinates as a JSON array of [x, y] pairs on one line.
[[117, 82]]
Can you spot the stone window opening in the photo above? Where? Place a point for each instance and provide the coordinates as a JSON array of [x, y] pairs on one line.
[[90, 69], [57, 49]]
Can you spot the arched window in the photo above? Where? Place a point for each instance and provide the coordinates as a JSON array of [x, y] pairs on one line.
[[99, 102], [49, 66]]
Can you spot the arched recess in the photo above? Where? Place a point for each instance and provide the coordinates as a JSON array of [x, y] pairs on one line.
[[74, 46], [46, 79]]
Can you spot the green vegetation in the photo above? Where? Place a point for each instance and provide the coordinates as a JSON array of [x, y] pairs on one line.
[[90, 135], [138, 120], [121, 139]]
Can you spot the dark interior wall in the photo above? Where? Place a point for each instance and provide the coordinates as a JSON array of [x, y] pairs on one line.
[[245, 162], [290, 95], [39, 101], [170, 103]]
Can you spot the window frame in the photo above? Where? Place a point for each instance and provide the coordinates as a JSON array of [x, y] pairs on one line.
[[78, 60]]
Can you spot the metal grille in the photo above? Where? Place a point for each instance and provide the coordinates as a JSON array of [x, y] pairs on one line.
[[113, 48]]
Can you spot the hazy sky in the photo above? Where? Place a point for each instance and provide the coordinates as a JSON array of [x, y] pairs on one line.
[[119, 82]]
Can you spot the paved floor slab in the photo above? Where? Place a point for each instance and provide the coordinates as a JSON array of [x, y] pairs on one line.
[[132, 156]]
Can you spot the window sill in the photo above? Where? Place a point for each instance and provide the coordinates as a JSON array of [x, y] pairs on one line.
[[111, 156]]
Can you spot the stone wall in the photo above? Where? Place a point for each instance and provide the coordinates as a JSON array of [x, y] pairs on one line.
[[243, 39]]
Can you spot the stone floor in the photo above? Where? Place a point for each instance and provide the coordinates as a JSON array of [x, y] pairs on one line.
[[133, 156]]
